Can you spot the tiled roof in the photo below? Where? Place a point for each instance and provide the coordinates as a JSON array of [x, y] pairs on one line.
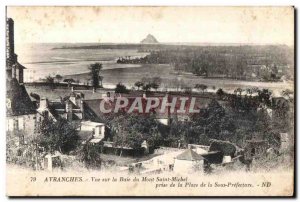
[[92, 111], [189, 155], [57, 105], [20, 66], [20, 102]]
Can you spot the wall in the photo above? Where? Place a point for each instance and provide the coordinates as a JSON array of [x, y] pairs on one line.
[[99, 130], [183, 166], [23, 123]]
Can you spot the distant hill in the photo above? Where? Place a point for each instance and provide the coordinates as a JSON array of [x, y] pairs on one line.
[[150, 39]]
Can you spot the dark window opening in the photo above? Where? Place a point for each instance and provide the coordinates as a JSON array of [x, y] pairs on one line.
[[253, 152]]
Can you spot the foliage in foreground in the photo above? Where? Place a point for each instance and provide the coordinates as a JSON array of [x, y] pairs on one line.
[[59, 135], [90, 155]]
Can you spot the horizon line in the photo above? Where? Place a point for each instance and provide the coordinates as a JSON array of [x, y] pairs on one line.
[[163, 43]]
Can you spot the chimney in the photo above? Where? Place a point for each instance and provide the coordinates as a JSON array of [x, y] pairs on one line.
[[43, 103], [69, 110], [73, 98], [82, 108], [10, 46], [10, 50]]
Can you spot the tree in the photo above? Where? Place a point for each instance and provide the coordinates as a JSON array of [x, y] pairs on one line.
[[148, 83], [287, 93], [131, 138], [58, 77], [264, 96], [69, 81], [123, 134], [139, 84], [262, 125], [273, 76], [155, 82], [249, 91], [154, 86], [214, 122], [201, 87], [94, 72], [22, 154], [121, 88], [145, 80], [226, 148], [130, 130], [50, 81], [146, 87], [59, 135], [90, 155], [227, 128], [238, 91], [188, 90], [101, 80], [220, 92]]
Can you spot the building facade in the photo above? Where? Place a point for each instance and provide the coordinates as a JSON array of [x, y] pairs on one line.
[[13, 68], [20, 110]]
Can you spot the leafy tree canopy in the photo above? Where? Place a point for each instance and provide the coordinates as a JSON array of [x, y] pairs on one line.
[[59, 135]]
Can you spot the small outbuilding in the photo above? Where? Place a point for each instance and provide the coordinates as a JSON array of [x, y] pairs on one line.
[[188, 161]]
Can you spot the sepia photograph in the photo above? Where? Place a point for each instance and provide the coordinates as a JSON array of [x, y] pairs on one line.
[[150, 101]]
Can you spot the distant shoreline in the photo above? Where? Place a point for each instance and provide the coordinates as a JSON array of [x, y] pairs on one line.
[[153, 45], [129, 76]]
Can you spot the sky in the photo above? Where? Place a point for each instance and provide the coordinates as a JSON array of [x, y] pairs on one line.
[[259, 25]]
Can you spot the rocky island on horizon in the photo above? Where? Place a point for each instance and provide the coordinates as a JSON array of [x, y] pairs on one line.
[[150, 39]]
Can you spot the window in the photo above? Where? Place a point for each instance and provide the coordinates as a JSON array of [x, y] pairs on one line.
[[21, 139], [16, 124], [10, 125], [46, 114], [19, 152], [253, 152], [21, 123]]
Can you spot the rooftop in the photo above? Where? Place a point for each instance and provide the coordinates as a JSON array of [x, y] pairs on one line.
[[91, 123], [19, 100], [189, 155]]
